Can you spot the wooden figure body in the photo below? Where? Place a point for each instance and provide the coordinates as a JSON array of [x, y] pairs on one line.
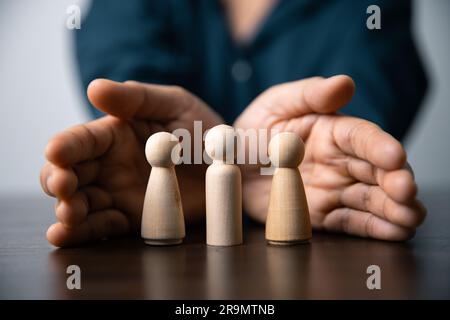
[[288, 220], [162, 215], [223, 189]]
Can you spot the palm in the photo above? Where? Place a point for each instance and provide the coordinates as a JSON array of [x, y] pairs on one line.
[[323, 171], [352, 170], [121, 176], [123, 172]]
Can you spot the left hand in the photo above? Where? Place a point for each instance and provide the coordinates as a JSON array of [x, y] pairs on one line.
[[98, 171], [356, 177]]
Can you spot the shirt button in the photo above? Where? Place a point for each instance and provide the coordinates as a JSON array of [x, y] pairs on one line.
[[241, 71]]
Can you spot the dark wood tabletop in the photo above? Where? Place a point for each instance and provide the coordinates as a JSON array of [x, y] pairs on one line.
[[331, 266]]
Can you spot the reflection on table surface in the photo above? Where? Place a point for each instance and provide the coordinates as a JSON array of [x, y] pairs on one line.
[[330, 266]]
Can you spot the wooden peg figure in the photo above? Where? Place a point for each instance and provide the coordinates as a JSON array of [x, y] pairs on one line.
[[162, 216], [223, 189], [288, 220]]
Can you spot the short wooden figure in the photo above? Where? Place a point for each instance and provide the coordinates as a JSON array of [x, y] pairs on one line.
[[162, 216], [288, 220]]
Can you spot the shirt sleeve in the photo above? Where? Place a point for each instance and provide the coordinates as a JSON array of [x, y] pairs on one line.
[[390, 80], [130, 40]]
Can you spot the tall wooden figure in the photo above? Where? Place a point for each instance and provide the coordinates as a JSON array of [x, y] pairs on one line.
[[288, 219], [223, 189], [162, 216]]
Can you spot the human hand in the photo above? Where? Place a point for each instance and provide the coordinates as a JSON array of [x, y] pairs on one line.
[[356, 177], [98, 171]]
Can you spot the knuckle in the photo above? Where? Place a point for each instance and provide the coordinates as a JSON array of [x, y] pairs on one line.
[[178, 90], [185, 98], [132, 82], [273, 90], [369, 225], [90, 136], [367, 197], [345, 220], [384, 207]]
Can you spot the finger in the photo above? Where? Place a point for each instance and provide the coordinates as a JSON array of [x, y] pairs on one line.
[[81, 142], [301, 126], [314, 95], [398, 184], [135, 99], [374, 200], [366, 141], [66, 183], [73, 211], [97, 226], [143, 129], [365, 224], [86, 172], [58, 182]]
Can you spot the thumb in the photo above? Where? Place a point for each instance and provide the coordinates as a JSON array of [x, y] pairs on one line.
[[313, 95], [140, 100]]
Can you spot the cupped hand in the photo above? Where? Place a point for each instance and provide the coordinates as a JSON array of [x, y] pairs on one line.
[[98, 171], [356, 176]]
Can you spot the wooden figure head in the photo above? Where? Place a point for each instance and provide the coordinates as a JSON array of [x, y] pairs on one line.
[[286, 150], [162, 150], [221, 143]]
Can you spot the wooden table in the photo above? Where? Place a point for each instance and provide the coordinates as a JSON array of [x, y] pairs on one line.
[[331, 266]]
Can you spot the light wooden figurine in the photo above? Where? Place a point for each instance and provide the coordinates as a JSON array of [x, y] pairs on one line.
[[162, 216], [288, 219], [223, 189]]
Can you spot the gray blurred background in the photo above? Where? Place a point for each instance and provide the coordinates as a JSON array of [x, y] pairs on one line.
[[40, 93]]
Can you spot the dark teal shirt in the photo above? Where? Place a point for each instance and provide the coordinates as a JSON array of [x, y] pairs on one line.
[[188, 43]]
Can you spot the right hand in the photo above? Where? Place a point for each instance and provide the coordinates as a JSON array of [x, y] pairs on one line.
[[98, 170]]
